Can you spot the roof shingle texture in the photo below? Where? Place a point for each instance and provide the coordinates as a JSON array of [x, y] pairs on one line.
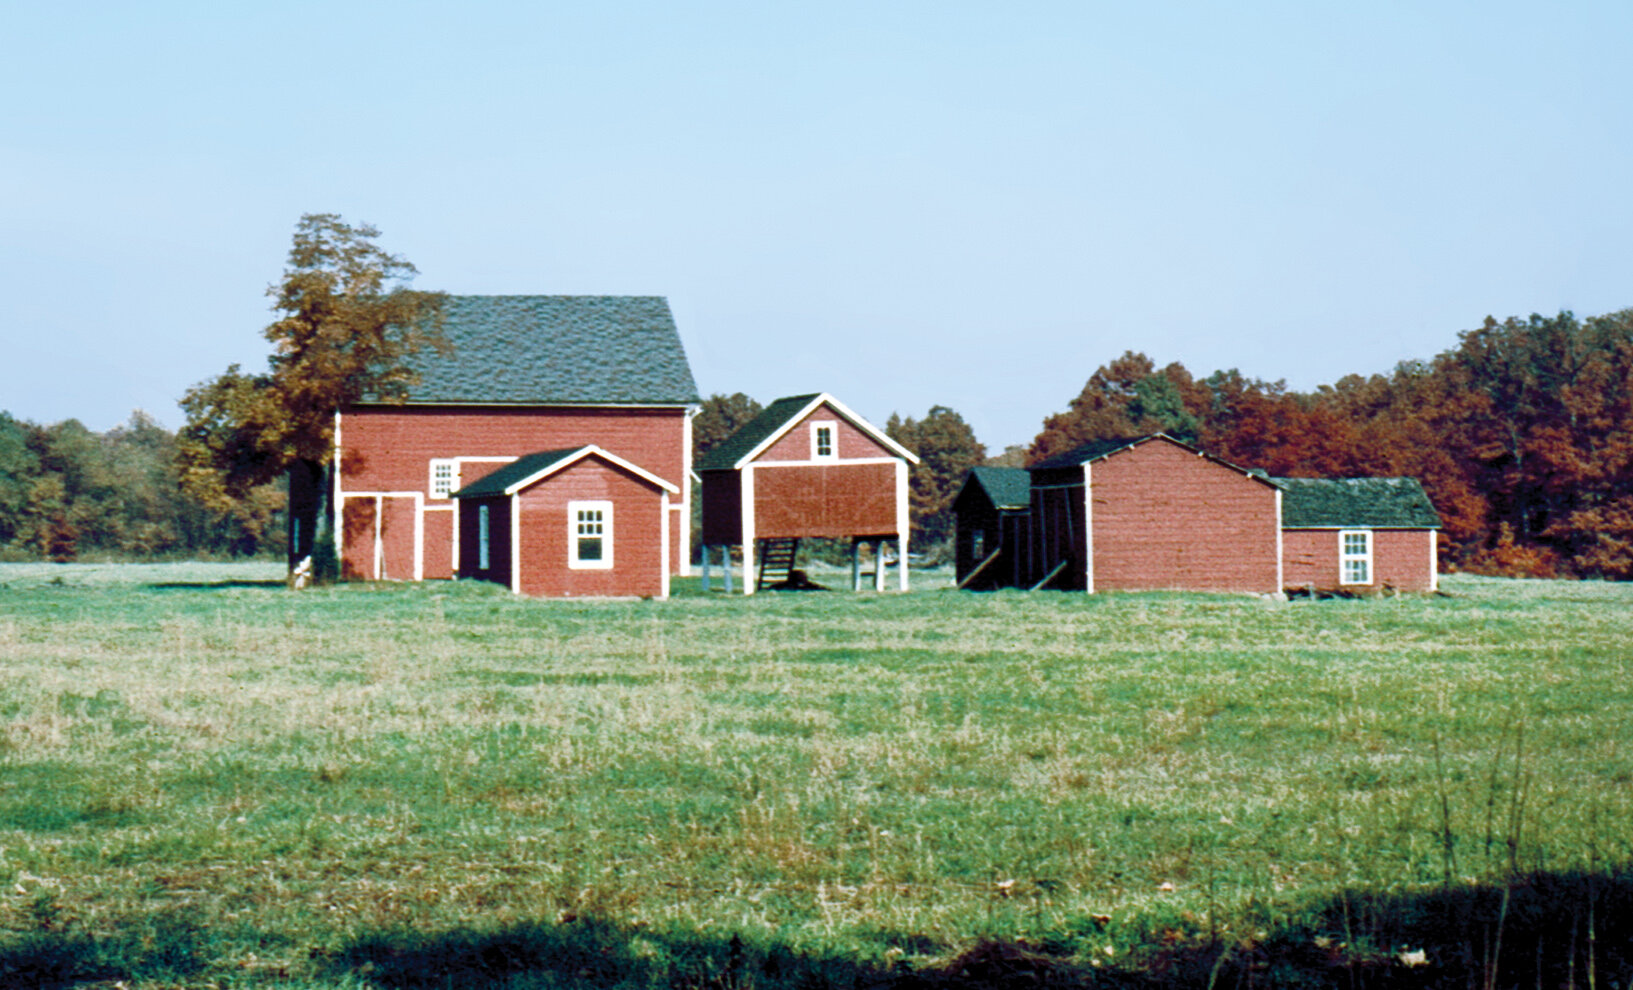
[[521, 467], [536, 350], [725, 455], [1006, 488], [1370, 503], [1091, 451]]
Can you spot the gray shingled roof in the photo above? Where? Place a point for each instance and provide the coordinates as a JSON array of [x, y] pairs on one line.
[[1006, 488], [1370, 503], [1091, 451], [556, 350], [725, 455], [521, 467]]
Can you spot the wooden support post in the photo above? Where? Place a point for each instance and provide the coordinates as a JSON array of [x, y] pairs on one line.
[[878, 565], [856, 564], [901, 562], [705, 567], [725, 565]]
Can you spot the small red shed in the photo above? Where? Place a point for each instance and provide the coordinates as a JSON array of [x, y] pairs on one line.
[[567, 523], [1151, 514], [1359, 534], [807, 466]]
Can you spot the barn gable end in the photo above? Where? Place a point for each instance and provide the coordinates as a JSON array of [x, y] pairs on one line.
[[807, 466]]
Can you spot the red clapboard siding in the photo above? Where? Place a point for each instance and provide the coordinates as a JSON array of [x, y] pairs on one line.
[[825, 500], [390, 449], [795, 445], [439, 547], [357, 538], [637, 533], [1401, 558], [1164, 517], [397, 539]]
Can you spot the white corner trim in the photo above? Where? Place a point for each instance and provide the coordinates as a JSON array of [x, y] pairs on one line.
[[1281, 551], [1088, 528], [515, 545], [665, 520], [747, 518], [904, 522]]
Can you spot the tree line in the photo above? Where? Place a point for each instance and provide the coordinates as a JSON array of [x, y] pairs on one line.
[[67, 493], [1522, 435]]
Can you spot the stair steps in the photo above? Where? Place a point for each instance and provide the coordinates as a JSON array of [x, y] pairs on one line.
[[776, 561]]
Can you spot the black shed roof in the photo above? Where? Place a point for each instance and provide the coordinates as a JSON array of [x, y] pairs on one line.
[[1371, 503], [533, 350]]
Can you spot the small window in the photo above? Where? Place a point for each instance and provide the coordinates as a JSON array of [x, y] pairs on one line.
[[482, 538], [589, 535], [824, 440], [978, 544], [444, 477], [1355, 557]]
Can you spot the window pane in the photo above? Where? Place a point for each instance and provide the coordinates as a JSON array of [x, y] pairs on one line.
[[589, 548]]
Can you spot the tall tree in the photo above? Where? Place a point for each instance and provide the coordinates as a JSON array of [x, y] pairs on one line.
[[720, 417], [348, 328], [947, 449]]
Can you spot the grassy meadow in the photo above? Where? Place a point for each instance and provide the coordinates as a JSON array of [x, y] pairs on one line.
[[206, 780]]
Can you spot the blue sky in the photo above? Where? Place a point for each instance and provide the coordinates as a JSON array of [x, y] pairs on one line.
[[906, 204]]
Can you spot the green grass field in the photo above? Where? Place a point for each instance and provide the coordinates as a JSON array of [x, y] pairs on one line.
[[206, 780]]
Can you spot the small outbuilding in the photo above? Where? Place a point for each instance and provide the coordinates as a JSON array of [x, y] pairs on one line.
[[806, 467], [567, 523], [1152, 513], [1359, 534], [993, 512]]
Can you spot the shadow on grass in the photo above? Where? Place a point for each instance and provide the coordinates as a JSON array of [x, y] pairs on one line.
[[271, 583], [166, 947], [1547, 930], [1554, 930]]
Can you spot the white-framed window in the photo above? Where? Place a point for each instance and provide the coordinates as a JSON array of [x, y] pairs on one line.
[[482, 543], [444, 477], [589, 536], [1355, 556], [824, 440]]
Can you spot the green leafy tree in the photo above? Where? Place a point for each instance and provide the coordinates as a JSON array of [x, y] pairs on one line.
[[947, 449], [720, 417], [348, 329], [19, 465]]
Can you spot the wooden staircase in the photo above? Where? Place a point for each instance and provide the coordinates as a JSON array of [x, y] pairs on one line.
[[776, 560]]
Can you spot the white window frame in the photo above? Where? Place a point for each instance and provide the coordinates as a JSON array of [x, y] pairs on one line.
[[452, 464], [484, 539], [832, 426], [1348, 557], [606, 534]]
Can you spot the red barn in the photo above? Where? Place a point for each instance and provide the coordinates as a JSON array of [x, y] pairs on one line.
[[805, 467], [524, 374], [1359, 534], [1153, 513], [564, 523]]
